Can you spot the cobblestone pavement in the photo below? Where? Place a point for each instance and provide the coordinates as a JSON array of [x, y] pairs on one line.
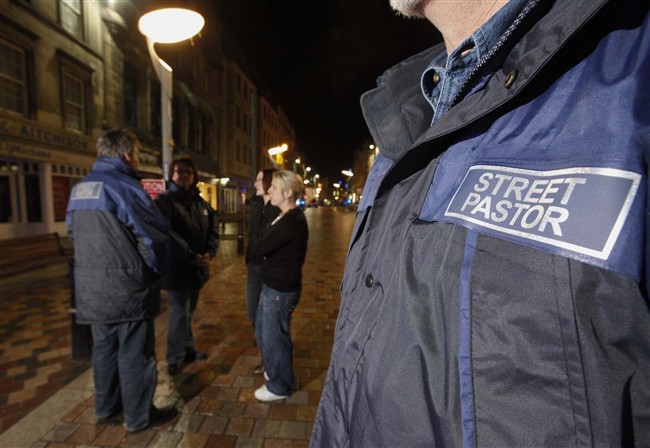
[[47, 399]]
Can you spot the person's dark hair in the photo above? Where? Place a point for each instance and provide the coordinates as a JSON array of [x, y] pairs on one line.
[[267, 178], [185, 161], [116, 142]]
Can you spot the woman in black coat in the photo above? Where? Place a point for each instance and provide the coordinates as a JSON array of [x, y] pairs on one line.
[[192, 220], [282, 245]]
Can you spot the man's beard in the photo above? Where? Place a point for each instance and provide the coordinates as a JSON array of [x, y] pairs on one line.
[[408, 8]]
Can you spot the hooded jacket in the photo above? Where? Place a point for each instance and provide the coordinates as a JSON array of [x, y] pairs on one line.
[[495, 290], [192, 220], [120, 246]]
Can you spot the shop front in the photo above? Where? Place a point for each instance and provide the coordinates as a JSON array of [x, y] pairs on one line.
[[38, 167]]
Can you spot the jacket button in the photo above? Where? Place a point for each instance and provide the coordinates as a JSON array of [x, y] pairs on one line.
[[436, 78], [510, 78], [369, 280]]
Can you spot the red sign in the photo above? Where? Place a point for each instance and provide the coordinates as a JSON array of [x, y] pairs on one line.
[[153, 186], [60, 193]]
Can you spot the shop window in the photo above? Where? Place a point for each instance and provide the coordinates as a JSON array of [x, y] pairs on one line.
[[33, 198], [5, 199], [71, 17]]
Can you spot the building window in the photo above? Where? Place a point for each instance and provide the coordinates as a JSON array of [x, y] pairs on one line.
[[191, 128], [177, 129], [74, 101], [155, 109], [71, 17], [205, 134], [131, 95], [13, 78], [75, 88]]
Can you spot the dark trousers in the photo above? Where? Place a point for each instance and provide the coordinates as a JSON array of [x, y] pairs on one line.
[[182, 304], [253, 290], [124, 369]]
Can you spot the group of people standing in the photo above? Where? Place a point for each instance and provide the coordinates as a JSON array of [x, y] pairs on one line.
[[278, 236], [128, 246]]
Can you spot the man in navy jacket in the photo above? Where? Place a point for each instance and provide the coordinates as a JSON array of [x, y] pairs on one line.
[[496, 287], [120, 246]]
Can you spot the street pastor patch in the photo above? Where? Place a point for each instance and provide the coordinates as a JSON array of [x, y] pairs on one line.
[[87, 190], [577, 209]]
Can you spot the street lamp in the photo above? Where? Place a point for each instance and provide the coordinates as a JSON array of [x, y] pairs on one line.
[[347, 173], [275, 151], [167, 26], [278, 149]]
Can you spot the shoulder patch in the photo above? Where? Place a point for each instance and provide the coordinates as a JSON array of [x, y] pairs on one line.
[[580, 209], [87, 190]]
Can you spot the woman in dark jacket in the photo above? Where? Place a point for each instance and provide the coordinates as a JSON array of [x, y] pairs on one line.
[[283, 245], [262, 213], [192, 220]]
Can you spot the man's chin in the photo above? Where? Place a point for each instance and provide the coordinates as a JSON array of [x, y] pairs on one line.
[[408, 8]]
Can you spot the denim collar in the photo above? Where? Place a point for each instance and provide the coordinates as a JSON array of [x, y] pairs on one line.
[[444, 76]]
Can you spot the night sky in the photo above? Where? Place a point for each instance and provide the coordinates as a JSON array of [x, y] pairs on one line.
[[318, 57]]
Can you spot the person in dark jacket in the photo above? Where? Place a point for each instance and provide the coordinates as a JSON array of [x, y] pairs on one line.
[[282, 245], [120, 250], [262, 213], [192, 219], [495, 292]]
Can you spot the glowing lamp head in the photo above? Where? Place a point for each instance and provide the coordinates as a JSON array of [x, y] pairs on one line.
[[170, 25]]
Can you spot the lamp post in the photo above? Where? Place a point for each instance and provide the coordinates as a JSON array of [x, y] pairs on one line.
[[166, 26]]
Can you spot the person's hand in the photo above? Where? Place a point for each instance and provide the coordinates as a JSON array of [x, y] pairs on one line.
[[202, 260]]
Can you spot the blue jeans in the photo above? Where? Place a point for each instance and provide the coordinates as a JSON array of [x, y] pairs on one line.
[[253, 290], [124, 369], [182, 304], [273, 333]]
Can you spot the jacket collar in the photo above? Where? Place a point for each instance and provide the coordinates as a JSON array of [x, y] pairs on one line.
[[174, 188], [398, 115], [114, 164]]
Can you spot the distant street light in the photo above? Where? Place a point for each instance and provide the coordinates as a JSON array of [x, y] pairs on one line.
[[347, 173], [166, 26]]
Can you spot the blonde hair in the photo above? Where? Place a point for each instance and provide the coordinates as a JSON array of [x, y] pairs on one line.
[[289, 180]]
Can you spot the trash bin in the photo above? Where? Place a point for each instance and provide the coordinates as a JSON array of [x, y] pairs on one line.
[[81, 335]]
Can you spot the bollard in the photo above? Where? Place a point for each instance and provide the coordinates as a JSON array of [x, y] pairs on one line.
[[240, 238]]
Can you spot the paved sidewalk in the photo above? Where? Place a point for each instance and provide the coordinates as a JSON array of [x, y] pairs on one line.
[[215, 397]]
